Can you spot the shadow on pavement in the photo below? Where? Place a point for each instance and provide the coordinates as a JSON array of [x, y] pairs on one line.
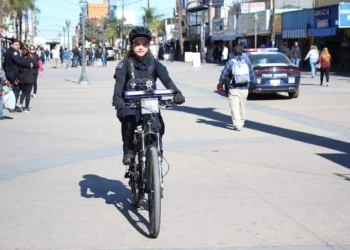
[[114, 193], [224, 121]]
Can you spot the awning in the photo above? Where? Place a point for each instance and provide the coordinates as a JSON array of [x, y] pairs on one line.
[[323, 32], [229, 35], [295, 33], [218, 36]]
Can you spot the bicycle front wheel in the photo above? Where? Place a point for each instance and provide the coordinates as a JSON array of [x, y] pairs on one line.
[[154, 191], [136, 184]]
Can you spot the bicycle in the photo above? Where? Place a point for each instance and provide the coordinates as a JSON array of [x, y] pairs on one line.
[[146, 175]]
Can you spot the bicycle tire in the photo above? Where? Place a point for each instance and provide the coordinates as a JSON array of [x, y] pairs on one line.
[[136, 185], [154, 191]]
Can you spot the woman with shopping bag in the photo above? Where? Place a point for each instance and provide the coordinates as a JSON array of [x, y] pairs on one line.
[[4, 82]]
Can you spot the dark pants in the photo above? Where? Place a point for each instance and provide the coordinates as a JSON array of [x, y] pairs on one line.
[[26, 90], [323, 72], [35, 82], [130, 119]]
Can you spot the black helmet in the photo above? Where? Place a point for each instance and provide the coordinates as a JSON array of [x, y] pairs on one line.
[[139, 31]]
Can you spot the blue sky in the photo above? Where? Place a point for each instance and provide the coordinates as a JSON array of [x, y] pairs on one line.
[[54, 13]]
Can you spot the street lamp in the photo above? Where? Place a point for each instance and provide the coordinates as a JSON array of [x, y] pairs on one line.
[[255, 30], [83, 78], [64, 36], [68, 23]]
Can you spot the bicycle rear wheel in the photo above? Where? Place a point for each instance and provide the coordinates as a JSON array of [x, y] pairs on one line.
[[154, 191], [136, 184]]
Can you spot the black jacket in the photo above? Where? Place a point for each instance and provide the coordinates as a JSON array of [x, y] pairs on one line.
[[97, 54], [123, 75], [26, 75], [286, 51], [76, 52], [13, 61], [295, 52], [36, 58]]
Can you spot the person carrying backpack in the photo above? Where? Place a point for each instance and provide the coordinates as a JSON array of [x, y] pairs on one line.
[[238, 72]]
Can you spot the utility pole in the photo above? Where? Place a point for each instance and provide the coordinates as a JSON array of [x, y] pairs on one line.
[[273, 33], [179, 21], [147, 3]]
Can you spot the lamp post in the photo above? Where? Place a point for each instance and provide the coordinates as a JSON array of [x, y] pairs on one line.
[[60, 35], [255, 30], [64, 36], [68, 23], [83, 78]]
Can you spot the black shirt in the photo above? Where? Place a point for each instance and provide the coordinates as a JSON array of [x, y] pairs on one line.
[[13, 61], [123, 74]]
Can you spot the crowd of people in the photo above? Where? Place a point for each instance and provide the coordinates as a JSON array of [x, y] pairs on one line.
[[22, 66]]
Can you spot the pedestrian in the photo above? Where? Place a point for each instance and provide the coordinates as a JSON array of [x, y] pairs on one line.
[[55, 55], [140, 63], [325, 59], [3, 82], [98, 55], [224, 55], [313, 55], [41, 55], [171, 54], [285, 50], [66, 57], [295, 54], [61, 55], [238, 72], [26, 81], [104, 57], [37, 71], [76, 53], [13, 61], [91, 57], [47, 55]]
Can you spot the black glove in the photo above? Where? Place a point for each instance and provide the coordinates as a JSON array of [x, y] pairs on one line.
[[179, 98], [119, 103]]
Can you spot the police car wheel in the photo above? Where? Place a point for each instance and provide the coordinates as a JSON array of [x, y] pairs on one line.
[[294, 94]]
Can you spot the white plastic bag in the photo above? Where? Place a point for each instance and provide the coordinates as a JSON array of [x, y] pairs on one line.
[[9, 100]]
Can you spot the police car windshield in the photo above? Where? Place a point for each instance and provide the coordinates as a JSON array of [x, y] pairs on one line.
[[266, 58]]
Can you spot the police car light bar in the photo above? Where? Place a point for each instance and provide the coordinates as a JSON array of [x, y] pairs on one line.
[[135, 93], [262, 50], [163, 92]]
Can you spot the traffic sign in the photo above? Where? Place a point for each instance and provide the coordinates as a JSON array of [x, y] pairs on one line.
[[344, 15]]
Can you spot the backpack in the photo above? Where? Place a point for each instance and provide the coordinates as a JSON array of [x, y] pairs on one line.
[[240, 72]]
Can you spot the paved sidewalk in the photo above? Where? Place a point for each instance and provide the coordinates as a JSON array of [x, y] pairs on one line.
[[280, 183]]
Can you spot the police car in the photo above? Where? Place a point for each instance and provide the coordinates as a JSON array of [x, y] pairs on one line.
[[274, 72]]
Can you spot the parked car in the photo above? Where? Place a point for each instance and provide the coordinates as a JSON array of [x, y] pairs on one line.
[[110, 53], [274, 73]]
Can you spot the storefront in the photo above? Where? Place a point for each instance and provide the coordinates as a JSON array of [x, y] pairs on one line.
[[326, 32], [294, 28], [246, 28]]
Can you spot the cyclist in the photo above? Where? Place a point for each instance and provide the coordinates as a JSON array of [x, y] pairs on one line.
[[138, 68]]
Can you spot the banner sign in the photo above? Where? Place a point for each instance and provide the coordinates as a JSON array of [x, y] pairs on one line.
[[344, 15], [252, 7]]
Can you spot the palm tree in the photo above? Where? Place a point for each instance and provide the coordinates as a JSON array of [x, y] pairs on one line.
[[18, 7], [4, 11], [152, 20]]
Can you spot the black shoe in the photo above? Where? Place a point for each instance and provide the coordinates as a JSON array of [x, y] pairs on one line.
[[128, 159], [8, 117]]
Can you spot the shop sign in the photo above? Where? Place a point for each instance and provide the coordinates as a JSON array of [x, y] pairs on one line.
[[278, 23], [218, 24], [322, 12], [53, 39], [344, 15], [252, 7], [246, 23], [323, 23]]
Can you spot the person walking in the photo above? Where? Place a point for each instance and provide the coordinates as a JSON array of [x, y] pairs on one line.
[[3, 82], [285, 50], [238, 72], [325, 59], [26, 81], [47, 55], [61, 55], [224, 55], [98, 55], [55, 55], [76, 54], [171, 54], [37, 71], [313, 55], [66, 57], [295, 54], [13, 61], [104, 57]]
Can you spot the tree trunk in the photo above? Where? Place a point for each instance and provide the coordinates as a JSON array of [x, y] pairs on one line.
[[16, 24], [20, 26]]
